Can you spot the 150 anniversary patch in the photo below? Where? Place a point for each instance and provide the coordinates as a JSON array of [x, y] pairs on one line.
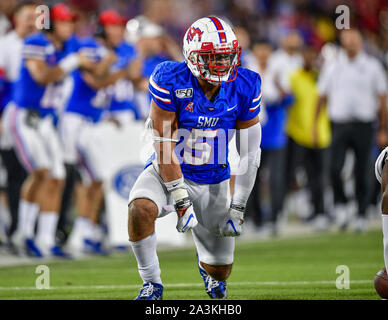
[[184, 93]]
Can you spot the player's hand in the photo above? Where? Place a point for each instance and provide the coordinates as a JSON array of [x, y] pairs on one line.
[[186, 215], [231, 224], [85, 62]]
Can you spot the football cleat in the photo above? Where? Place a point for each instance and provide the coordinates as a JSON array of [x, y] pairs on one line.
[[150, 291], [32, 249], [215, 289], [57, 252], [94, 247]]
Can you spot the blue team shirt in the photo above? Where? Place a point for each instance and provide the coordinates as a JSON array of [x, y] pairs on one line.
[[84, 99], [122, 90], [203, 125], [273, 135], [27, 92]]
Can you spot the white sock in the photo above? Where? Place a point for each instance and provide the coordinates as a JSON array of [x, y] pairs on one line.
[[27, 215], [147, 259], [81, 227], [98, 233], [47, 227], [385, 239]]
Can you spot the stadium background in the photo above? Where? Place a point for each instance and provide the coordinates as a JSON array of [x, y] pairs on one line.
[[310, 255]]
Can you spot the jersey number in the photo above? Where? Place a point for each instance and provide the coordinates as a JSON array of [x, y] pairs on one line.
[[198, 152]]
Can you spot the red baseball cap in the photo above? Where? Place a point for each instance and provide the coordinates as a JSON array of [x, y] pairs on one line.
[[61, 12], [110, 17]]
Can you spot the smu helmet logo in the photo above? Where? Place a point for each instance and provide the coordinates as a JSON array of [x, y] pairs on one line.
[[192, 33]]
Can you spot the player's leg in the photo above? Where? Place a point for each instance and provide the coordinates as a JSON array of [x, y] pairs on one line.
[[50, 199], [15, 173], [69, 126], [146, 201], [86, 235], [51, 191], [33, 156], [215, 253]]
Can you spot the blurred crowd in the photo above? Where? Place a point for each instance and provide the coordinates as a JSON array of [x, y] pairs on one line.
[[324, 109]]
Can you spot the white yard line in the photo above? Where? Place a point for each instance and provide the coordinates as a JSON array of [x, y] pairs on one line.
[[178, 285]]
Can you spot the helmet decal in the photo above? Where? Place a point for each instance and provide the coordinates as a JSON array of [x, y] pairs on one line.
[[211, 50], [221, 32], [192, 33]]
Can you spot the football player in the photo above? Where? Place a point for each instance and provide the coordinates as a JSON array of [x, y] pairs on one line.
[[122, 108], [381, 171], [196, 106], [45, 63], [90, 99], [24, 18]]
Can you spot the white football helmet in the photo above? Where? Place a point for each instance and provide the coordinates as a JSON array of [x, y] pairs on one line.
[[211, 50]]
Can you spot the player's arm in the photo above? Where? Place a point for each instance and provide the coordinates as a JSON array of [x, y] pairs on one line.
[[381, 171], [101, 69], [165, 136], [98, 82], [248, 139], [164, 124], [44, 74]]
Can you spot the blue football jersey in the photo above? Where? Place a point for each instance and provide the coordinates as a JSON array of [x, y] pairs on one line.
[[205, 127], [123, 90], [27, 92], [84, 99]]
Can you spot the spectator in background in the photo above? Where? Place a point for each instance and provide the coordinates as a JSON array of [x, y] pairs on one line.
[[10, 59], [272, 119], [7, 8], [301, 148], [248, 59], [354, 85], [153, 46], [123, 109]]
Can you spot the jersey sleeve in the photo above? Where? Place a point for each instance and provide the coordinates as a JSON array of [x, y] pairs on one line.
[[34, 47], [161, 88], [251, 108]]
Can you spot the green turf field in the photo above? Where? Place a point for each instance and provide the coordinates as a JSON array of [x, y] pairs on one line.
[[293, 268]]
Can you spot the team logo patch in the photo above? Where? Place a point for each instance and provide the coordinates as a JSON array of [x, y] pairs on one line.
[[192, 33], [184, 93], [125, 178]]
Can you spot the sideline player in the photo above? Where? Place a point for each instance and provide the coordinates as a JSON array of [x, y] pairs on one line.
[[45, 63], [204, 97], [381, 170], [123, 109], [89, 100], [24, 18]]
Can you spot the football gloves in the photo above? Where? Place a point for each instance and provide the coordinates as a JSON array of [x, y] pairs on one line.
[[231, 224], [186, 215]]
